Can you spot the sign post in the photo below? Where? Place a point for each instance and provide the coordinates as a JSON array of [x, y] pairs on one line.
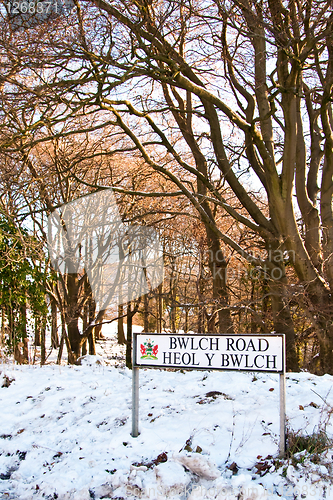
[[282, 445], [248, 352], [135, 402], [135, 395]]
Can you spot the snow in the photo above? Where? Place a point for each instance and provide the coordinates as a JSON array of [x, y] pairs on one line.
[[199, 465], [65, 432], [171, 475]]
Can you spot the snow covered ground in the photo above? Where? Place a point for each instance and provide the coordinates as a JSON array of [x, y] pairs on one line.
[[65, 433]]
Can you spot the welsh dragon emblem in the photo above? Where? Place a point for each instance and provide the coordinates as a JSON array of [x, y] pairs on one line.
[[148, 350]]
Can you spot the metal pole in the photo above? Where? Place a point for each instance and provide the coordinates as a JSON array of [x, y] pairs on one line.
[[135, 402], [282, 447], [135, 392]]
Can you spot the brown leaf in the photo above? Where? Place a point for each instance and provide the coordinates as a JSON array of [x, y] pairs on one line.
[[262, 468], [233, 467], [162, 457], [314, 405], [7, 381]]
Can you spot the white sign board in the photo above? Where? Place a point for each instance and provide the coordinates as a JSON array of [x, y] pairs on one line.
[[216, 352]]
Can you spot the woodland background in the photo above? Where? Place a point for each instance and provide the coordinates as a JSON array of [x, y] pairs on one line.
[[212, 122]]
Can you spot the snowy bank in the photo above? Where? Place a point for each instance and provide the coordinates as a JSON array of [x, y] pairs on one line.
[[65, 433]]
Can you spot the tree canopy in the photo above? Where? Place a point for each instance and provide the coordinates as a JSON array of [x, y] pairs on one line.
[[234, 94]]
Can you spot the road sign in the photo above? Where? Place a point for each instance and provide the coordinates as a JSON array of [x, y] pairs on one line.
[[216, 352]]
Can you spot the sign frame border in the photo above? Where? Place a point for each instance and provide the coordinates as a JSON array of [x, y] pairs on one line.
[[180, 367]]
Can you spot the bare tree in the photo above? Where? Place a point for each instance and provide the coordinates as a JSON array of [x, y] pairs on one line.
[[235, 93]]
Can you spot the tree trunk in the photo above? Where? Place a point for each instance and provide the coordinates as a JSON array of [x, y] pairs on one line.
[[186, 319], [3, 328], [218, 269], [146, 313], [321, 303], [62, 339], [84, 326], [173, 316], [92, 344], [129, 336], [61, 347], [54, 325], [37, 332], [98, 332], [160, 308], [72, 317], [26, 350], [23, 319], [264, 305], [98, 328], [211, 320], [74, 337], [121, 334], [92, 314], [200, 293], [254, 321], [283, 323], [42, 343]]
